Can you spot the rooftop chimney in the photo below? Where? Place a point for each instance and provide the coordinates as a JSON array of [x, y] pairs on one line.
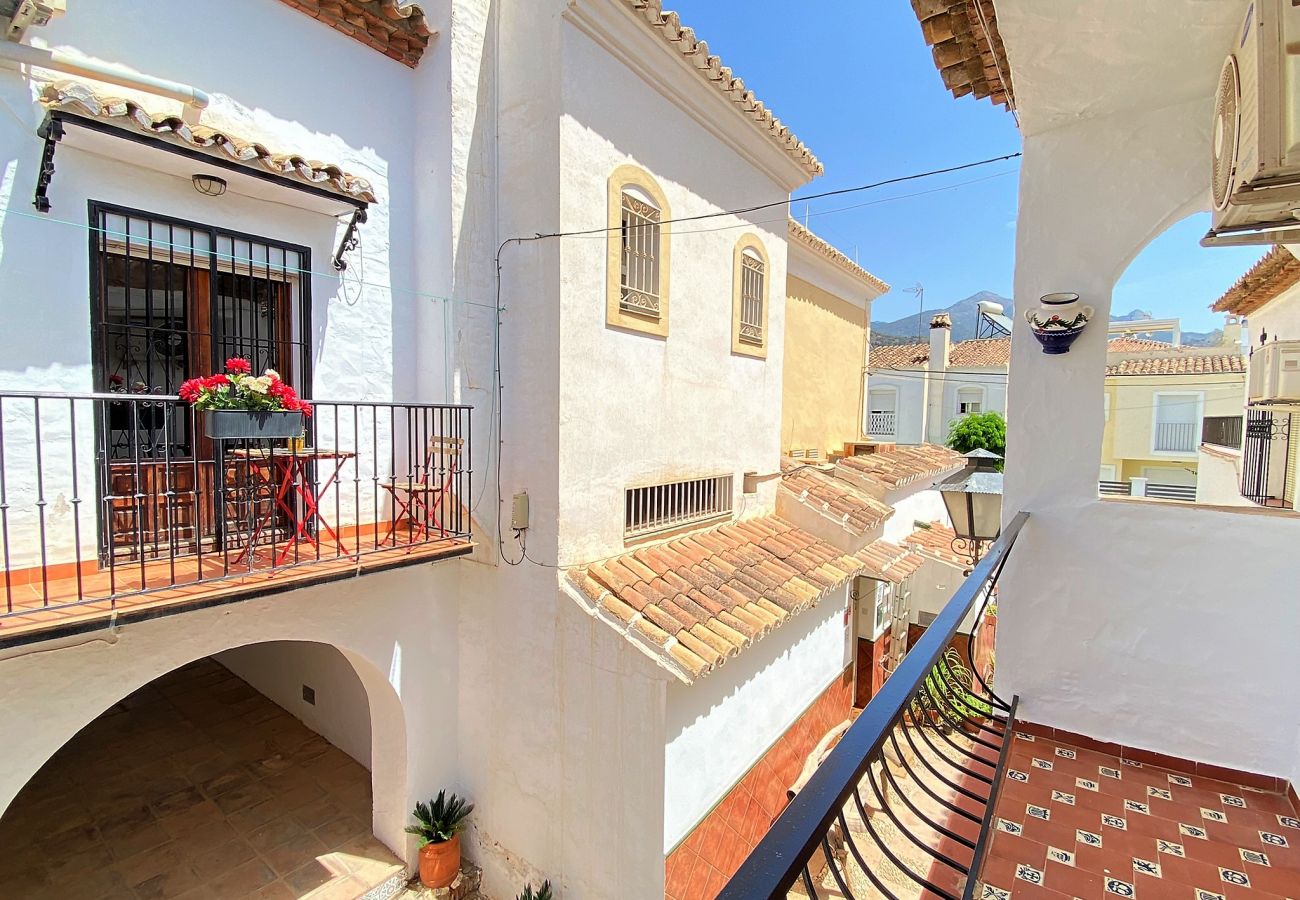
[[940, 342]]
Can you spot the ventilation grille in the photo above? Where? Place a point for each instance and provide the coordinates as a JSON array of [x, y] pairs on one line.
[[663, 507]]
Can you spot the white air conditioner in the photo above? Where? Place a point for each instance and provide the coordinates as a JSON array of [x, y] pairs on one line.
[[1274, 375], [16, 16], [1255, 178]]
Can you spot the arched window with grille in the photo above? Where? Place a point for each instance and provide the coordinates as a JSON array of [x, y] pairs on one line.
[[750, 287], [637, 283]]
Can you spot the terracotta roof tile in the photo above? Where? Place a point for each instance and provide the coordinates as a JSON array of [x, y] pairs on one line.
[[799, 233], [984, 353], [707, 596], [398, 30], [936, 540], [853, 508], [668, 25], [1190, 364], [1277, 271], [82, 100], [896, 466], [967, 48]]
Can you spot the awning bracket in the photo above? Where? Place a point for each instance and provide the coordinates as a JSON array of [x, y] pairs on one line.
[[351, 238], [52, 131]]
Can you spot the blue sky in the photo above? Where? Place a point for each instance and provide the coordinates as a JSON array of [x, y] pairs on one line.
[[855, 81]]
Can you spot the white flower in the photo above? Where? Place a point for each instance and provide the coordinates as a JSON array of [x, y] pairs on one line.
[[271, 373], [258, 385]]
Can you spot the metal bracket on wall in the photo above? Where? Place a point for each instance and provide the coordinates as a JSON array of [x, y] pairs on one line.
[[52, 130], [351, 238]]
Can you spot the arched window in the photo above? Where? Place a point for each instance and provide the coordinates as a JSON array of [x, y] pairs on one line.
[[749, 297], [970, 400], [637, 282]]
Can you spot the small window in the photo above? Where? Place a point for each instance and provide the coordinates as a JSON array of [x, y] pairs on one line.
[[749, 298], [970, 400], [638, 253], [639, 271], [664, 507]]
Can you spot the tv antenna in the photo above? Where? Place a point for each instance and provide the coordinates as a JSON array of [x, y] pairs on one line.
[[919, 290]]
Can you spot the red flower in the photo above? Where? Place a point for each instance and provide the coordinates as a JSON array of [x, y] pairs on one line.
[[116, 379], [212, 382], [305, 408], [238, 365], [189, 390]]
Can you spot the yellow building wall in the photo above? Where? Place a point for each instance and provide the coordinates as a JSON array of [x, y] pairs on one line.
[[821, 392], [1127, 439]]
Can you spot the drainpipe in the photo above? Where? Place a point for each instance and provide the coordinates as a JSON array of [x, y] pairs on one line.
[[194, 99]]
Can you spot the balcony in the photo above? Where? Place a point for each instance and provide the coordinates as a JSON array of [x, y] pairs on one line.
[[881, 424], [120, 506], [1222, 431], [939, 790], [1175, 437]]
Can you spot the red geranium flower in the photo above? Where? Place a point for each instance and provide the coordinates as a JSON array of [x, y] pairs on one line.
[[215, 381], [238, 365], [189, 390]]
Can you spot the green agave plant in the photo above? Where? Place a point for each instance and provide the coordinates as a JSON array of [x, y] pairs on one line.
[[441, 819], [542, 893]]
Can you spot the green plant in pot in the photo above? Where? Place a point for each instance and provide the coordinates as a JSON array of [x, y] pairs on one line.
[[542, 893], [438, 825]]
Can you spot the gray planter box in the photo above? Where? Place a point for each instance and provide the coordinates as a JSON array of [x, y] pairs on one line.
[[240, 424]]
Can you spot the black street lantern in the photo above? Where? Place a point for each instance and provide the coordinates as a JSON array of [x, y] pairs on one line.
[[974, 501]]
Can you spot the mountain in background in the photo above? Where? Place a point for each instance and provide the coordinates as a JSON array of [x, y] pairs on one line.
[[964, 314]]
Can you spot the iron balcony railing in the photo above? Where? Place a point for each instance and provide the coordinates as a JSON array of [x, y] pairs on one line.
[[1222, 431], [1176, 436], [881, 423], [846, 833], [107, 495]]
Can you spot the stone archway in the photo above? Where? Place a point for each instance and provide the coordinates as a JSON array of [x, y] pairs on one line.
[[200, 778]]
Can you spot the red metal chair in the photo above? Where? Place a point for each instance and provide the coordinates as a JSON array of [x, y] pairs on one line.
[[421, 501]]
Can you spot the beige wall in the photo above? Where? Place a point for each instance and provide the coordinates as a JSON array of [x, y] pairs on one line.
[[1131, 399], [825, 344]]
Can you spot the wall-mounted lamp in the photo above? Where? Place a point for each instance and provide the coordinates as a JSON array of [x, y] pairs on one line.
[[1059, 320], [210, 185]]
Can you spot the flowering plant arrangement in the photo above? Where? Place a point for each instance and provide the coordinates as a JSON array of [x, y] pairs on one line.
[[238, 388]]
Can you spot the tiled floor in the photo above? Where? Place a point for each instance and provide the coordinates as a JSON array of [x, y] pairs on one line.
[[1073, 822], [195, 786]]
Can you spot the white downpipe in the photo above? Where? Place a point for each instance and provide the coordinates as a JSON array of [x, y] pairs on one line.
[[24, 54]]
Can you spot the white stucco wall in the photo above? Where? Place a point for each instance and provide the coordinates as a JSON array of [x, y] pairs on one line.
[[719, 727], [927, 402], [280, 670], [919, 504], [909, 408], [933, 585], [1218, 478], [1111, 638], [397, 629], [651, 409]]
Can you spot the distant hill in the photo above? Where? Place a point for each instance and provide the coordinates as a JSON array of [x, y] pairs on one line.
[[965, 312]]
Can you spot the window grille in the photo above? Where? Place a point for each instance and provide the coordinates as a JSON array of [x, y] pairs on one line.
[[752, 278], [639, 281], [662, 507]]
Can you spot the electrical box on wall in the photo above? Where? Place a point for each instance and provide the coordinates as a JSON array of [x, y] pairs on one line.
[[519, 512]]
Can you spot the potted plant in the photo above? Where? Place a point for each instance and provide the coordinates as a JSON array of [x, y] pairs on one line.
[[438, 825], [237, 404], [542, 893]]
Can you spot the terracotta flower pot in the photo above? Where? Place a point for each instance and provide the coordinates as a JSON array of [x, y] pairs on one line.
[[440, 863]]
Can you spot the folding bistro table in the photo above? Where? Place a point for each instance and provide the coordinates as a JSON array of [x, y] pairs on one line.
[[297, 494]]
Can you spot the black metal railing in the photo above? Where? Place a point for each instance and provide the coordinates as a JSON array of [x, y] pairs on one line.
[[946, 736], [1222, 431], [106, 495]]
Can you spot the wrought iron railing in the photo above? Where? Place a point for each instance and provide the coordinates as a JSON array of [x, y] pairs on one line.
[[881, 423], [1222, 431], [1175, 437], [917, 776], [108, 495]]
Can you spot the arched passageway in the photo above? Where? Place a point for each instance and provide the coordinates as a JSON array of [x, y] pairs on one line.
[[203, 780]]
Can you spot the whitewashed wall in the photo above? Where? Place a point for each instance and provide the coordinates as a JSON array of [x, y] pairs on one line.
[[340, 711], [720, 726], [1098, 640], [919, 504], [909, 408]]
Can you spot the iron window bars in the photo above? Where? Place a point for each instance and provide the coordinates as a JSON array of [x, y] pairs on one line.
[[639, 279], [662, 507], [958, 736], [753, 275]]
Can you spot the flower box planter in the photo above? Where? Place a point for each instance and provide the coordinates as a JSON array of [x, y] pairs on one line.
[[243, 424]]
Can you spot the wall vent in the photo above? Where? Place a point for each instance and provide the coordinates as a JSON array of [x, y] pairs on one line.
[[663, 507]]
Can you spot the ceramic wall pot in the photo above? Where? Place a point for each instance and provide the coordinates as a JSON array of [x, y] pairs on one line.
[[440, 863], [1058, 321]]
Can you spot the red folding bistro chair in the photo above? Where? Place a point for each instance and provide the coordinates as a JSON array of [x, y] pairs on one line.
[[420, 501]]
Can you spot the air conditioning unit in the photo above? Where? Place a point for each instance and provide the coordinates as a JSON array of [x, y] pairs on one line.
[[1255, 178], [16, 16], [1273, 378]]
